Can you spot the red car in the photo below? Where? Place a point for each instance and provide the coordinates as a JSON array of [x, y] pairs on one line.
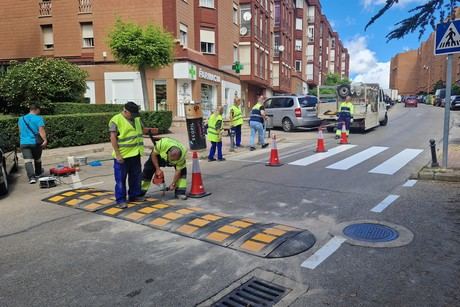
[[411, 102]]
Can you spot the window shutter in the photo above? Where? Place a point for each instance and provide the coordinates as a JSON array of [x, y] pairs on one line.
[[87, 31], [207, 36], [48, 35]]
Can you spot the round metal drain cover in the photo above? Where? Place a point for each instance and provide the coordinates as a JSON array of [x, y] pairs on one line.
[[370, 232]]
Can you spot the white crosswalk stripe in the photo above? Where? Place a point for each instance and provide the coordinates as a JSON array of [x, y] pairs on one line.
[[394, 164], [358, 158], [321, 156]]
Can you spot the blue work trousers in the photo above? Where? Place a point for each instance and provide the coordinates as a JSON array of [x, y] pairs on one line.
[[237, 131], [131, 168], [345, 118], [212, 151], [256, 127]]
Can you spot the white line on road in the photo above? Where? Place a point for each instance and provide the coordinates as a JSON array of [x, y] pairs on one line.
[[357, 158], [323, 253], [394, 164], [321, 156], [410, 183], [385, 203]]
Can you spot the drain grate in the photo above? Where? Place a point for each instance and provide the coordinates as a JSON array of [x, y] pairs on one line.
[[254, 293], [371, 232]]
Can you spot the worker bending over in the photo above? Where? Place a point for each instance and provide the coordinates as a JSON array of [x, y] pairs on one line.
[[346, 111]]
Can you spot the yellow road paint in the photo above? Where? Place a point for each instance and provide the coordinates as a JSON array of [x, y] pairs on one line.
[[249, 221], [147, 210], [211, 217], [274, 232], [105, 201], [93, 206], [199, 222], [73, 202], [241, 224], [172, 216], [159, 222], [151, 199], [161, 206], [112, 211], [87, 197], [217, 236], [229, 229], [194, 208], [81, 190], [187, 229], [284, 227], [263, 238], [252, 246], [99, 193], [185, 211], [135, 216], [67, 194], [56, 198]]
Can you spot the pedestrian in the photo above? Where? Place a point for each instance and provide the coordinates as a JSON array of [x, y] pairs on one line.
[[167, 152], [126, 136], [215, 130], [236, 118], [346, 110], [33, 139], [256, 122]]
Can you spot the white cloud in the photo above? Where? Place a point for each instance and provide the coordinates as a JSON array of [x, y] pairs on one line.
[[364, 66], [401, 3]]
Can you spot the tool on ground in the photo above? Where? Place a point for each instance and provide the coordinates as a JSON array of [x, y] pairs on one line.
[[160, 181], [62, 171], [274, 159], [197, 190], [320, 147], [344, 137], [47, 182]]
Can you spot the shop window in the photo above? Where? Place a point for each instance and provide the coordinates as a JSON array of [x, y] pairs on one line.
[[207, 39], [183, 37], [207, 99], [48, 39], [160, 95], [87, 35]]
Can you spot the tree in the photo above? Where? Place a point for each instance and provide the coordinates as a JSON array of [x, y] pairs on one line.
[[41, 80], [141, 48], [335, 79], [422, 16], [438, 85]]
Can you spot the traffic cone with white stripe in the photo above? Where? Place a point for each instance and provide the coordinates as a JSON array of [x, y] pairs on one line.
[[344, 137], [197, 189], [274, 159], [320, 147]]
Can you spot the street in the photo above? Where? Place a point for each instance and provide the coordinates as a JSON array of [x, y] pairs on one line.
[[54, 255]]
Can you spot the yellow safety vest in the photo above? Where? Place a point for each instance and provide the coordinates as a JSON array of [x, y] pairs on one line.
[[214, 128], [346, 107], [237, 118], [130, 140], [162, 148]]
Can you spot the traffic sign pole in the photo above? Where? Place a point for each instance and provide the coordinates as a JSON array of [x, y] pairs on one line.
[[445, 144]]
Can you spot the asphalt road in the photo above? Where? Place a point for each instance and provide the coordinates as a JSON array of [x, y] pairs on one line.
[[57, 256]]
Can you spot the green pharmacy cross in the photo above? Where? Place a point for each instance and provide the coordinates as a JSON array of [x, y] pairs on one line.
[[237, 67], [192, 72]]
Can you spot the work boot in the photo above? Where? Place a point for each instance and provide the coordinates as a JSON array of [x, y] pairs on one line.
[[122, 206], [265, 145], [220, 160], [211, 160], [137, 199], [252, 148], [181, 196], [32, 180]]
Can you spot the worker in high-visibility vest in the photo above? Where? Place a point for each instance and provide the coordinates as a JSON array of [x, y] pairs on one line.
[[236, 118], [126, 136], [256, 122], [346, 111], [167, 152], [215, 130]]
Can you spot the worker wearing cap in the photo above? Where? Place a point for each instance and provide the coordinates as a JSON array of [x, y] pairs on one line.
[[346, 110], [126, 136], [167, 152], [237, 120]]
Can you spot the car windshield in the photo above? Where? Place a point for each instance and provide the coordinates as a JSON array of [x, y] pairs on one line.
[[308, 101]]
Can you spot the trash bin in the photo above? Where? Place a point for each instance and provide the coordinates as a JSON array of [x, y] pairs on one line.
[[195, 129]]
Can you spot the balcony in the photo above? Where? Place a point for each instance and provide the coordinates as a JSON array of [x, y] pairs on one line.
[[44, 8], [85, 6]]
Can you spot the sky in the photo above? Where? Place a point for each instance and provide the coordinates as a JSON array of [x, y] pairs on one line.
[[370, 53]]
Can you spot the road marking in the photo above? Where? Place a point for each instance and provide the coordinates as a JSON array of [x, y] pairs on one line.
[[321, 156], [410, 183], [357, 158], [323, 253], [394, 164], [385, 203]]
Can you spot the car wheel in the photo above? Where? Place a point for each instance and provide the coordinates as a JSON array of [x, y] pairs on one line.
[[385, 121], [287, 125], [4, 184]]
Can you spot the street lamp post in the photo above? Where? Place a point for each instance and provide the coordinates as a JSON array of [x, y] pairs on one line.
[[280, 53]]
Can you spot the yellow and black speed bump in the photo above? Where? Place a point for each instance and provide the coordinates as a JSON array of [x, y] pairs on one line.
[[242, 234]]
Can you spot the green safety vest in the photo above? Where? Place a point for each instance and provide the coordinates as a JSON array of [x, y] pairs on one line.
[[130, 140], [237, 118], [162, 148], [214, 128], [347, 107]]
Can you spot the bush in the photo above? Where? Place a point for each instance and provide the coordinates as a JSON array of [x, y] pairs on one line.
[[79, 129], [75, 108]]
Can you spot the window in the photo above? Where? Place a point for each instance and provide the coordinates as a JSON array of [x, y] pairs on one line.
[[87, 35], [207, 39], [235, 13], [333, 43], [299, 4], [298, 45], [311, 33], [207, 3], [160, 95], [48, 40], [276, 43], [298, 66], [308, 101], [299, 24], [183, 29], [235, 53], [277, 14]]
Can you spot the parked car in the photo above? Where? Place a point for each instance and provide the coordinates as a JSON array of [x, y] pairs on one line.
[[291, 112], [411, 101], [439, 95], [455, 102], [8, 164]]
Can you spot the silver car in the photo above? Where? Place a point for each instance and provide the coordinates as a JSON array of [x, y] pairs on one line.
[[291, 112]]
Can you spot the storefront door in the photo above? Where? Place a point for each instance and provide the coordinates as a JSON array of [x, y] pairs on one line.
[[208, 99]]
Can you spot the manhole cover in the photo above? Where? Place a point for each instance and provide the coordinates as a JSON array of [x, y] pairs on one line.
[[370, 232]]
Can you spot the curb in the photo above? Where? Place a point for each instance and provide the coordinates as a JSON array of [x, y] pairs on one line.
[[438, 174]]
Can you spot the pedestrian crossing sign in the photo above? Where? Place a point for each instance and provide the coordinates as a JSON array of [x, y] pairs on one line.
[[447, 39]]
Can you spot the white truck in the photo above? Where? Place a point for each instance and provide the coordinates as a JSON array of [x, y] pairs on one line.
[[369, 107]]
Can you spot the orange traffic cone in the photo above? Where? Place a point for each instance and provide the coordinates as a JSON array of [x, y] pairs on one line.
[[344, 137], [320, 147], [197, 189], [274, 160]]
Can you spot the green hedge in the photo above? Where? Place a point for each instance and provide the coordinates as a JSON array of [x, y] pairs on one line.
[[78, 108], [79, 129]]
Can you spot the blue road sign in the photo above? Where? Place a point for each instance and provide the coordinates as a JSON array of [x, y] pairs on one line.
[[447, 39]]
